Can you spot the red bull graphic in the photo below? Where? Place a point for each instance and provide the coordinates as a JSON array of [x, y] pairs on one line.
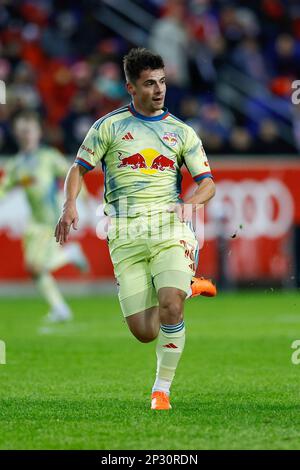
[[162, 163], [134, 161], [147, 161], [170, 138]]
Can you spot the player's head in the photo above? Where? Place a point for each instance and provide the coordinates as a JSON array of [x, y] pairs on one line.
[[146, 83], [27, 130]]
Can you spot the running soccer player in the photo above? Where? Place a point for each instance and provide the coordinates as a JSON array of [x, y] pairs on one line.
[[152, 246], [36, 169]]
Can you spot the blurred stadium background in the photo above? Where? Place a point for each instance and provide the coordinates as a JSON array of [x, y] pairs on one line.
[[231, 67]]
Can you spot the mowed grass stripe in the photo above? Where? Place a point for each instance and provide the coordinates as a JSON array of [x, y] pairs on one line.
[[87, 384]]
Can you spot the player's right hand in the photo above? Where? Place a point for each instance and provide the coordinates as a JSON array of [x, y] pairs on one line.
[[68, 219]]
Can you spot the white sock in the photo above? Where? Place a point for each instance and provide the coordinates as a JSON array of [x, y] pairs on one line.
[[169, 347], [162, 385]]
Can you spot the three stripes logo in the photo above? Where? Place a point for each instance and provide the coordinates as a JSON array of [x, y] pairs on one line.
[[128, 136], [170, 346]]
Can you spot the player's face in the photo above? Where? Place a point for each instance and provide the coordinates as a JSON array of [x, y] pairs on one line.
[[28, 134], [148, 92]]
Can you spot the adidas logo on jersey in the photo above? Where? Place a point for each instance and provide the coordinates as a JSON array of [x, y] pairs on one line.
[[127, 136]]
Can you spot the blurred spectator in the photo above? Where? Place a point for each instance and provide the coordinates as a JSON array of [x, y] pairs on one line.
[[22, 93], [247, 57], [76, 124], [287, 56], [214, 142], [169, 37], [109, 81], [230, 67], [268, 140], [240, 141]]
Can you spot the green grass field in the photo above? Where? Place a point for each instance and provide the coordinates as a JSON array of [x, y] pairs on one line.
[[86, 384]]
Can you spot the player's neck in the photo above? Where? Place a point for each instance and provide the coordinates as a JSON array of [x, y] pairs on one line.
[[145, 112], [29, 149]]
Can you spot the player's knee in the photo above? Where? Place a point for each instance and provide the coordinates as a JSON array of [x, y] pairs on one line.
[[171, 310], [33, 270]]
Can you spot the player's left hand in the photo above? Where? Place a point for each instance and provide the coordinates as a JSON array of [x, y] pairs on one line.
[[183, 211]]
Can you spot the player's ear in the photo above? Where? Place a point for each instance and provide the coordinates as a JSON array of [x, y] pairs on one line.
[[130, 88]]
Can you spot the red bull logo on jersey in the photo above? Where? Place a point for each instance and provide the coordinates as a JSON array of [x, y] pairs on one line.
[[147, 161], [134, 161], [170, 138], [163, 163]]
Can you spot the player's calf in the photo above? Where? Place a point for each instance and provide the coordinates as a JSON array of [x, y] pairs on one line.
[[170, 344]]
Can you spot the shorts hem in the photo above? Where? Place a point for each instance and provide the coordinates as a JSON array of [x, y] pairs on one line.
[[181, 281]]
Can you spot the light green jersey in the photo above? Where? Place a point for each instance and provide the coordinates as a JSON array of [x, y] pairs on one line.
[[141, 159], [37, 174]]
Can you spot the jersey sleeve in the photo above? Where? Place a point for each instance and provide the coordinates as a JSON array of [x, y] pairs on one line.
[[195, 157], [94, 146]]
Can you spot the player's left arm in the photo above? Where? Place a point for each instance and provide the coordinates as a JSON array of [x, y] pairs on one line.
[[205, 191], [197, 164]]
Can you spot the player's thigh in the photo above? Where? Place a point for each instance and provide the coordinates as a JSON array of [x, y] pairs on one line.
[[174, 259], [136, 291], [132, 271]]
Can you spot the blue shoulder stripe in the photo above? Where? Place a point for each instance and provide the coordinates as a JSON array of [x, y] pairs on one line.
[[200, 177], [98, 123], [84, 163]]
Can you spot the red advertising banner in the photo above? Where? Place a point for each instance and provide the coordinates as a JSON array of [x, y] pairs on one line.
[[247, 232]]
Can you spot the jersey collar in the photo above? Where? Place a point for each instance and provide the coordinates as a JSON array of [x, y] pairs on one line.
[[138, 115]]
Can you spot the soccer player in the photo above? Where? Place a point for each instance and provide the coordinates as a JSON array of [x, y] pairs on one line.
[[152, 246], [37, 169]]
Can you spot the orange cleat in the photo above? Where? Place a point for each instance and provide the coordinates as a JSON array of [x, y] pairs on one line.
[[201, 286], [160, 401]]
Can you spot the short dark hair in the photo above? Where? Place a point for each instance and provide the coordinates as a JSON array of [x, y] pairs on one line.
[[27, 115], [139, 59]]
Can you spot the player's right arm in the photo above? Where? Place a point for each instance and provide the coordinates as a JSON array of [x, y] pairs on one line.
[[89, 155], [69, 217]]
